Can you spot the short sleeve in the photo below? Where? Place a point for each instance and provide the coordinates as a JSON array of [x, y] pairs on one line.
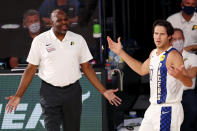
[[85, 54], [169, 19], [34, 53]]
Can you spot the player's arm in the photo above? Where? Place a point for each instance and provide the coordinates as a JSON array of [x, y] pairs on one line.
[[176, 68], [139, 67]]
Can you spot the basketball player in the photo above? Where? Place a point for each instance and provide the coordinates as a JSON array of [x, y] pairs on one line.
[[166, 69]]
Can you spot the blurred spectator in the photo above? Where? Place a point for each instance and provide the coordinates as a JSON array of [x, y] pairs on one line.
[[17, 42], [11, 62], [186, 20], [23, 39], [32, 25], [69, 6], [189, 99], [31, 21]]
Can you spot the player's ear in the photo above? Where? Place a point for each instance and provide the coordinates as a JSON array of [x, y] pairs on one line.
[[170, 37]]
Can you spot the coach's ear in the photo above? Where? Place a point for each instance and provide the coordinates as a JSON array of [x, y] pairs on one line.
[[51, 23]]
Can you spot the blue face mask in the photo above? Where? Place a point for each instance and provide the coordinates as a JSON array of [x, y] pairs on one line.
[[189, 10]]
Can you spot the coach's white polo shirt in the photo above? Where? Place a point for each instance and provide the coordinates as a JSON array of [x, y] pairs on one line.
[[189, 28], [59, 61], [190, 59]]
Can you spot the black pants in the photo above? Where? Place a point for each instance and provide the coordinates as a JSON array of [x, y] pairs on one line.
[[61, 106], [190, 111]]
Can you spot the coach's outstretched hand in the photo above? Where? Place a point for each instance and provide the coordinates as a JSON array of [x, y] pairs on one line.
[[111, 97], [13, 103]]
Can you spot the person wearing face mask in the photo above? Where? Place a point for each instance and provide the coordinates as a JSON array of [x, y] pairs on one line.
[[20, 42], [31, 21], [186, 20], [32, 28], [189, 99]]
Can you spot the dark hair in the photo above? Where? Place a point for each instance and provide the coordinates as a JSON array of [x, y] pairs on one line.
[[164, 23]]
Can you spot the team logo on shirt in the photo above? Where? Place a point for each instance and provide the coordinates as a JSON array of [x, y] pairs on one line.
[[48, 44], [159, 83], [162, 57], [72, 43], [185, 59], [194, 27]]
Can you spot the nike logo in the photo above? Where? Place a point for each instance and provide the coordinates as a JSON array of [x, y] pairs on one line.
[[48, 44], [164, 112]]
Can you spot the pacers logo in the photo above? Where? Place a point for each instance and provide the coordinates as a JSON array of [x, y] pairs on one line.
[[72, 43], [162, 57], [159, 83], [185, 59]]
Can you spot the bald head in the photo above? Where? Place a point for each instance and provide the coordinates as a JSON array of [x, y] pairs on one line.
[[55, 13], [60, 22]]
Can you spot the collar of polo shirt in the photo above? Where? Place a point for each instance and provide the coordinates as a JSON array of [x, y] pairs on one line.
[[55, 38]]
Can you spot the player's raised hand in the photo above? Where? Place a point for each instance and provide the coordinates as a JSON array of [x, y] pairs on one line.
[[116, 47]]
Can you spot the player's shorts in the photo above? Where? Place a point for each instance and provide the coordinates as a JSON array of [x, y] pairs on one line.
[[163, 117]]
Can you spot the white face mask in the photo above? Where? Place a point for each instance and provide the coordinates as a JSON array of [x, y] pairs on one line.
[[34, 28], [178, 44]]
